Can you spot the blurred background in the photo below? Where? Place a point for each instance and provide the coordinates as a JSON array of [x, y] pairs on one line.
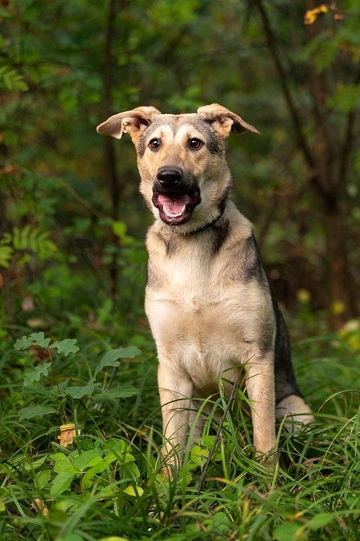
[[72, 223]]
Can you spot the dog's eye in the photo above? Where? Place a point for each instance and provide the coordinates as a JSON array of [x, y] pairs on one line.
[[195, 143], [155, 144]]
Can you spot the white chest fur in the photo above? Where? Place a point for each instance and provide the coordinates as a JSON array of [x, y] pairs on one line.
[[205, 319]]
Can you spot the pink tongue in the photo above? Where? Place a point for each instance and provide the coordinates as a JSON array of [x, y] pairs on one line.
[[173, 206]]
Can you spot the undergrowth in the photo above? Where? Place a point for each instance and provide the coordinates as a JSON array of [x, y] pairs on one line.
[[80, 446]]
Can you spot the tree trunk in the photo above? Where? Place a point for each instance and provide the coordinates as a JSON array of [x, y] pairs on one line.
[[327, 158], [109, 157]]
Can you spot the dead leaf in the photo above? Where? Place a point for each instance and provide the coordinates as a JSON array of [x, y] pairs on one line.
[[67, 434]]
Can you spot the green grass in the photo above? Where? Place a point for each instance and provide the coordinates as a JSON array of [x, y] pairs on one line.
[[107, 483]]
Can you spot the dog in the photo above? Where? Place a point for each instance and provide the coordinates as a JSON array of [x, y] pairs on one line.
[[208, 301]]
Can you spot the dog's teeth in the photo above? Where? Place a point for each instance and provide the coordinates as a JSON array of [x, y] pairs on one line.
[[175, 214]]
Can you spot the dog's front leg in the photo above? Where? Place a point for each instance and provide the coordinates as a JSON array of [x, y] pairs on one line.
[[260, 384], [175, 390]]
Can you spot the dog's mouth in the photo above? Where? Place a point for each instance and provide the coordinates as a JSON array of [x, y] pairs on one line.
[[176, 208]]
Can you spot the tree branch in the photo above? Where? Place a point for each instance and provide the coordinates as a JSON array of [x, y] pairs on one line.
[[271, 41]]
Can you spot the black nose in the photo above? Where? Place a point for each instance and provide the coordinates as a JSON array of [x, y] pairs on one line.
[[169, 176]]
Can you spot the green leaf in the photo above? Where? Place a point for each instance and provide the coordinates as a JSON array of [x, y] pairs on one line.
[[319, 521], [78, 391], [63, 464], [34, 339], [6, 253], [36, 375], [118, 447], [290, 531], [42, 478], [119, 229], [129, 470], [35, 411], [115, 394], [61, 483], [71, 537], [111, 358], [199, 455], [12, 80], [98, 468], [66, 346], [345, 99], [87, 459]]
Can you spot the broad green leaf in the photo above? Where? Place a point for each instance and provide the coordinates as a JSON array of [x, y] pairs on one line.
[[117, 446], [87, 459], [42, 478], [34, 339], [78, 391], [290, 531], [114, 394], [61, 483], [98, 468], [66, 346], [319, 521], [199, 455], [36, 375], [111, 358], [35, 411], [63, 464], [129, 470]]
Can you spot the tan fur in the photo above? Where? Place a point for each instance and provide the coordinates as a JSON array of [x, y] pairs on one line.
[[206, 318]]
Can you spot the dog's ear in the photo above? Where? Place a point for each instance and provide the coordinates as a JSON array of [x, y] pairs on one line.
[[133, 122], [223, 120]]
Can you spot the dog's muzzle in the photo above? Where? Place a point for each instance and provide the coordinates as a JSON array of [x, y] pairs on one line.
[[175, 198]]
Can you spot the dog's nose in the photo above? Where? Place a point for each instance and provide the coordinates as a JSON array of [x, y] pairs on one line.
[[169, 176]]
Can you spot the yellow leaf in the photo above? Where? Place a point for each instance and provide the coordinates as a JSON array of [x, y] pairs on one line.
[[134, 491], [312, 14]]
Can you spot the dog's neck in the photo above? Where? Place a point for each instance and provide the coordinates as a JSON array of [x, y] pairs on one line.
[[213, 222]]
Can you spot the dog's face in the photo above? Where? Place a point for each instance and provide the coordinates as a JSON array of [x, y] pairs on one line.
[[181, 159]]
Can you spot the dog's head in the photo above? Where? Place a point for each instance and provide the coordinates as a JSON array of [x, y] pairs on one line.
[[181, 159]]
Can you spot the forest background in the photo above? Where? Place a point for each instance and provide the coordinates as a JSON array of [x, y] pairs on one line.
[[72, 223]]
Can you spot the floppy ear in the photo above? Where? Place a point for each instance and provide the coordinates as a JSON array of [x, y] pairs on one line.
[[133, 122], [223, 120]]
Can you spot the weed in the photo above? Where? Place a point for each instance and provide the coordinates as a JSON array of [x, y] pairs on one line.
[[75, 468]]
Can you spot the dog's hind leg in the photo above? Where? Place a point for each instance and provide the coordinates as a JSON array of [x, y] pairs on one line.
[[289, 400], [296, 411]]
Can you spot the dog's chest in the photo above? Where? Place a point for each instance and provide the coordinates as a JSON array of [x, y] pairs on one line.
[[201, 316]]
